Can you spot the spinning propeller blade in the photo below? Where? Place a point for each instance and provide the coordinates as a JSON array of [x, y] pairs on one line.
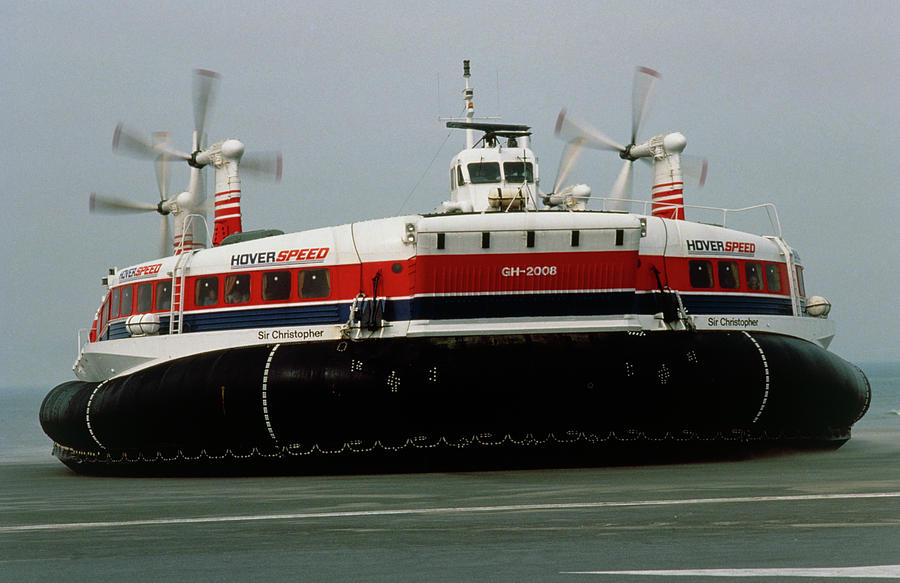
[[621, 190], [567, 161], [114, 206], [571, 128], [204, 93], [644, 81], [262, 164], [694, 168], [129, 142]]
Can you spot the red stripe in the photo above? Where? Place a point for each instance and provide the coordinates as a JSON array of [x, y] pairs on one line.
[[668, 184], [523, 272]]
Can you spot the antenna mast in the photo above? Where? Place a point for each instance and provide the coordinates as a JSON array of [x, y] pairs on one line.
[[468, 94]]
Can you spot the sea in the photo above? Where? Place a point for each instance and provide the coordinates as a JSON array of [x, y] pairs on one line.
[[792, 515]]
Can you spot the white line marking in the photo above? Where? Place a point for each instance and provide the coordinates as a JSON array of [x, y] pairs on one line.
[[873, 572], [446, 510]]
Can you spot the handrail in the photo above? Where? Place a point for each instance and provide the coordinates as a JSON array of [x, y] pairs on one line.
[[80, 347], [771, 210]]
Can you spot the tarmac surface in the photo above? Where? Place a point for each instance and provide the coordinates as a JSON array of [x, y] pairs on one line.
[[806, 516]]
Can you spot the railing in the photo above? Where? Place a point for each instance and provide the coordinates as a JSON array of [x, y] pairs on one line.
[[646, 206], [80, 343]]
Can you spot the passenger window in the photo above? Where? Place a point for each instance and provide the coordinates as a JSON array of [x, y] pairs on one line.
[[728, 275], [314, 283], [753, 272], [104, 310], [127, 293], [164, 295], [773, 277], [701, 273], [206, 291], [276, 285], [114, 304], [145, 297], [801, 287], [237, 289]]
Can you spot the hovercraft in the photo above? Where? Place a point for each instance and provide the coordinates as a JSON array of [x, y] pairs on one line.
[[508, 327]]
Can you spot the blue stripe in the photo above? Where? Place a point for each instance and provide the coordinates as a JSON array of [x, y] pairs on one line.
[[523, 305], [731, 304], [469, 307]]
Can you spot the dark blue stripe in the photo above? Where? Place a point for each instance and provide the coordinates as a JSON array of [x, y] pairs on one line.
[[261, 318], [727, 304], [466, 307], [525, 305]]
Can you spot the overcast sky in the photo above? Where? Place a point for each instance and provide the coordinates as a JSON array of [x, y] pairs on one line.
[[793, 103]]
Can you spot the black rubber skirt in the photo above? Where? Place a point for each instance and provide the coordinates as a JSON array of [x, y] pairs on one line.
[[460, 402]]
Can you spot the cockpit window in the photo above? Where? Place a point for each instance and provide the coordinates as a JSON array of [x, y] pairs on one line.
[[518, 172], [484, 172]]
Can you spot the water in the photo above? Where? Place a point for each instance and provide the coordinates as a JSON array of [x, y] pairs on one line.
[[835, 511]]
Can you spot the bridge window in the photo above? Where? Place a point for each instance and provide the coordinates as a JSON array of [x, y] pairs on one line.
[[276, 285], [728, 275], [753, 271], [459, 176], [237, 288], [518, 172], [801, 287], [127, 295], [145, 297], [701, 273], [314, 283], [773, 277], [114, 304], [206, 291], [484, 172], [164, 295]]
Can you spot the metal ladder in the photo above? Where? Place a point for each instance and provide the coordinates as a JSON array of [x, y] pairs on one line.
[[176, 307]]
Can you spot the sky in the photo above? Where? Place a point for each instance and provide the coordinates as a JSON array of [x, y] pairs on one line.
[[793, 103]]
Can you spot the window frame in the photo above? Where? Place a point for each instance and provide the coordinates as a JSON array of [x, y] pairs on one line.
[[235, 277], [198, 288], [269, 279], [770, 269], [707, 265], [163, 295], [726, 268], [126, 290], [479, 166], [301, 281], [139, 308]]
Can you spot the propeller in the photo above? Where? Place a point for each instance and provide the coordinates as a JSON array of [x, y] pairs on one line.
[[157, 147], [580, 134]]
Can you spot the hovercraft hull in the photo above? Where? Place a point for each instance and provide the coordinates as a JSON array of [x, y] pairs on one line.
[[457, 402]]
